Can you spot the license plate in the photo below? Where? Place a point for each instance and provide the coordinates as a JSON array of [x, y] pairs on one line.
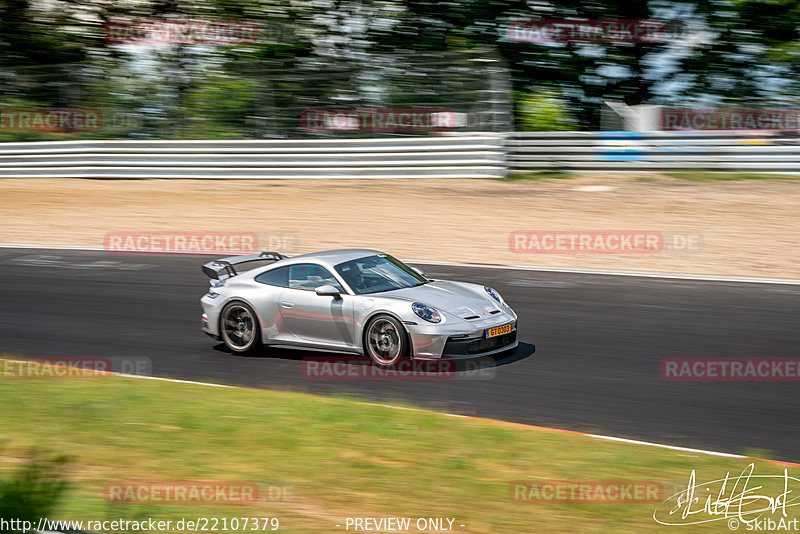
[[498, 330]]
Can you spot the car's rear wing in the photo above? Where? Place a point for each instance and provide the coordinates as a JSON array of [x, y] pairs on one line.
[[225, 267]]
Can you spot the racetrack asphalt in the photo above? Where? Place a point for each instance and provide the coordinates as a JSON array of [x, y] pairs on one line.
[[599, 341]]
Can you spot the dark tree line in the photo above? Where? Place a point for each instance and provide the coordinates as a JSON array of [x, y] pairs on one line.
[[736, 53]]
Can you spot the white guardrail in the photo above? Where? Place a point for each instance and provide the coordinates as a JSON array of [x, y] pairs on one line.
[[464, 156], [451, 156], [654, 151]]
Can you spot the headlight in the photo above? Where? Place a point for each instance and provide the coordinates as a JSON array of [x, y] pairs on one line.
[[212, 295], [494, 294], [426, 312]]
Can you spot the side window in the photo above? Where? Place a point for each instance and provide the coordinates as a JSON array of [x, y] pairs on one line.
[[275, 277], [309, 276]]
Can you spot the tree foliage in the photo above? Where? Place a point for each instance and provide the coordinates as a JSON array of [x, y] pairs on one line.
[[321, 53]]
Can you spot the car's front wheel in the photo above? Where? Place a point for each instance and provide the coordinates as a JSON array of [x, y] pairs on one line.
[[239, 328], [385, 340]]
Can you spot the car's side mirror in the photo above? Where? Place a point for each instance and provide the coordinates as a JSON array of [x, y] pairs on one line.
[[328, 291], [418, 271]]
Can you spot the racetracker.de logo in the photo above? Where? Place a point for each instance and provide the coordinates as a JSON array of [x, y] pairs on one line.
[[730, 119], [183, 493], [585, 31], [181, 32], [602, 242], [730, 369], [67, 367], [361, 368], [585, 242], [591, 491], [71, 367], [379, 119], [51, 120], [182, 242]]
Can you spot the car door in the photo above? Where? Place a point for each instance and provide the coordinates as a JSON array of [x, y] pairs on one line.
[[320, 320]]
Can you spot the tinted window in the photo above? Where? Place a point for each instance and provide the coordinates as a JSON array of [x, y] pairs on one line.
[[309, 276], [275, 277], [374, 274]]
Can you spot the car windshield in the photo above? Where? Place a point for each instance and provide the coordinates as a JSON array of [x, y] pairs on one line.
[[381, 272]]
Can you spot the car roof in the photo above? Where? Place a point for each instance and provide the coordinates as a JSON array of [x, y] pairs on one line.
[[333, 257]]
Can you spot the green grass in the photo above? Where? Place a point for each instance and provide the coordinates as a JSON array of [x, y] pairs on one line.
[[539, 175], [345, 458], [711, 176]]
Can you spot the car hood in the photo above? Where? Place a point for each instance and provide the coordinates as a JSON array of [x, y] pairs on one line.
[[450, 297]]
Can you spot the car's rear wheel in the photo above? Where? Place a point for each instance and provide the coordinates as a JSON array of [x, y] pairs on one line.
[[239, 327], [385, 340]]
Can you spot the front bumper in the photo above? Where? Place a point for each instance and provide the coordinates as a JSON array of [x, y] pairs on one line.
[[468, 348], [461, 340]]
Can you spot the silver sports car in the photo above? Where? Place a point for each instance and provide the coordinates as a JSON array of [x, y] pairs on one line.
[[355, 301]]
